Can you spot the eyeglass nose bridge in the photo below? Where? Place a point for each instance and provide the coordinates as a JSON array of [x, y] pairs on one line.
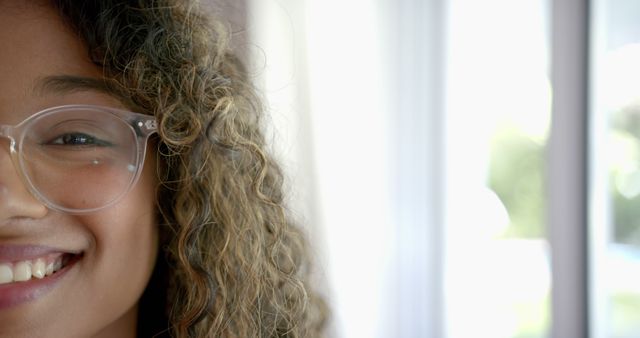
[[37, 208], [7, 132]]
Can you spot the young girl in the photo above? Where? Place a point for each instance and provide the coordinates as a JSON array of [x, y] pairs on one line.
[[136, 195]]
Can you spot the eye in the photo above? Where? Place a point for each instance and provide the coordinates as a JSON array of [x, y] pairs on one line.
[[77, 139]]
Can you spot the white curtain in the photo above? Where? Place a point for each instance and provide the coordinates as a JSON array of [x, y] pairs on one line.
[[353, 91]]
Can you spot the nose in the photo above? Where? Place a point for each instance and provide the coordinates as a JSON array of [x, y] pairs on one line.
[[15, 200]]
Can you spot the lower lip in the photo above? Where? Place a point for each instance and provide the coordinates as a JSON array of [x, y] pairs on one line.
[[13, 294]]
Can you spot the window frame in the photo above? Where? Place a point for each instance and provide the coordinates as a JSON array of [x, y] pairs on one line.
[[568, 169]]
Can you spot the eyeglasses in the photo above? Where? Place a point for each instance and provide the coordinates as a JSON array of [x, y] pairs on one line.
[[80, 158]]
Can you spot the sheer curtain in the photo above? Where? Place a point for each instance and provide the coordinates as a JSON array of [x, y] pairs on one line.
[[353, 88]]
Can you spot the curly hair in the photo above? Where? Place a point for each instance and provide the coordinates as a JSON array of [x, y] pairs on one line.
[[232, 262]]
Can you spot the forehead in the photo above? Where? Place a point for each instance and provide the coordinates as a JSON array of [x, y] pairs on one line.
[[35, 44]]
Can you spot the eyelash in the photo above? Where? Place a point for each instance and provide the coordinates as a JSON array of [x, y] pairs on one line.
[[77, 139]]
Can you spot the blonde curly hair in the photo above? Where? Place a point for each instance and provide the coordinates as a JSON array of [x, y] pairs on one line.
[[232, 263]]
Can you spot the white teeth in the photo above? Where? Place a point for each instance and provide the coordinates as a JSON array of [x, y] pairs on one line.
[[25, 270], [49, 269], [6, 274], [57, 265], [22, 272], [38, 268]]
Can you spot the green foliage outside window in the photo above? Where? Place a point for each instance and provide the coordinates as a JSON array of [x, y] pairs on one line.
[[516, 176]]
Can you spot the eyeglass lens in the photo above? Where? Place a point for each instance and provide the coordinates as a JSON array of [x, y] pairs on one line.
[[79, 159]]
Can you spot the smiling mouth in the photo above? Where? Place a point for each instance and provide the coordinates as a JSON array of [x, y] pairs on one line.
[[37, 268]]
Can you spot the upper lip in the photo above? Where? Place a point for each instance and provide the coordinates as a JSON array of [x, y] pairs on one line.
[[14, 253]]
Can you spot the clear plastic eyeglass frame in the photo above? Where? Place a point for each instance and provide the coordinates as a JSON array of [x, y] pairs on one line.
[[89, 153]]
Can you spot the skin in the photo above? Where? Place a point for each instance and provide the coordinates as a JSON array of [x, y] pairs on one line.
[[98, 296]]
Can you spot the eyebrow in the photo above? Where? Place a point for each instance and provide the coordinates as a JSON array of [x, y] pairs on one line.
[[66, 84]]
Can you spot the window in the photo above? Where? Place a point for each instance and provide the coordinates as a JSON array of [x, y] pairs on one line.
[[616, 134]]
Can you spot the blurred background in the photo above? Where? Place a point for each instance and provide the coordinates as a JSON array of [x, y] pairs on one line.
[[434, 157]]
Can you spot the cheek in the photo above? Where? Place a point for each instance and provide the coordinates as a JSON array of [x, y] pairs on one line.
[[128, 230], [127, 239], [126, 235], [118, 264]]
